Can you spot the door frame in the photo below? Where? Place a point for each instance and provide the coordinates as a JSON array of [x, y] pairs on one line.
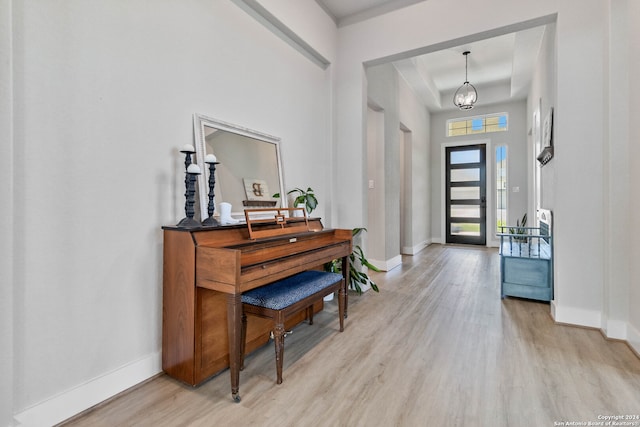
[[467, 164], [491, 186]]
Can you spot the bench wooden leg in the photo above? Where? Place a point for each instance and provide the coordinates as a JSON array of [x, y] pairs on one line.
[[310, 314], [278, 334]]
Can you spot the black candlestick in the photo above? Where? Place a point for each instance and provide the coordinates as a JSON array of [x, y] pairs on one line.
[[187, 150], [211, 221], [190, 184]]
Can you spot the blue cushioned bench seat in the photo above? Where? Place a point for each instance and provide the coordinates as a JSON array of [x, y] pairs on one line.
[[283, 293], [285, 297]]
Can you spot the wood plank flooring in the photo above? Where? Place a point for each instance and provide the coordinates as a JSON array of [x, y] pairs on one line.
[[436, 347]]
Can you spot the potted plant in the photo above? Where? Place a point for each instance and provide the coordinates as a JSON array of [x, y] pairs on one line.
[[519, 230], [357, 278], [306, 199]]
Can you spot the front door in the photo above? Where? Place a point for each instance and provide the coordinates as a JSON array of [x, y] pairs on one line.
[[466, 197]]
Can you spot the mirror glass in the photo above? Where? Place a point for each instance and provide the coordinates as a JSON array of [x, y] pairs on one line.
[[249, 170]]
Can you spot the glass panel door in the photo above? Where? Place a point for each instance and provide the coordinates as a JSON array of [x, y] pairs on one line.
[[466, 195]]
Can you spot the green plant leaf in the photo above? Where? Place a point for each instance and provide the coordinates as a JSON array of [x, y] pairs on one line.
[[357, 231], [355, 277], [311, 202], [371, 266]]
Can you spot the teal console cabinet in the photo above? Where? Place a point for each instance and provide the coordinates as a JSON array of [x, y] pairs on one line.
[[526, 260]]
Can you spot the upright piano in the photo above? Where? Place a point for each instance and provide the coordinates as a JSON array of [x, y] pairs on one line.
[[205, 271]]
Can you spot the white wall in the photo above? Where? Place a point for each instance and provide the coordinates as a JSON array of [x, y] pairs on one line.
[[415, 118], [616, 164], [6, 217], [104, 97], [515, 139], [542, 97], [631, 9], [620, 153], [401, 108], [375, 240]]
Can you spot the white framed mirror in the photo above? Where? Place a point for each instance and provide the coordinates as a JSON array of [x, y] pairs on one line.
[[245, 157]]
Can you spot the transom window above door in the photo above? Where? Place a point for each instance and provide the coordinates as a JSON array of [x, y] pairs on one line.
[[498, 122]]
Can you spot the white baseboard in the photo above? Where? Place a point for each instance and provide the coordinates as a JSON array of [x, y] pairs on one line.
[[388, 264], [412, 250], [552, 309], [576, 316], [84, 396], [616, 329], [439, 241], [633, 338]]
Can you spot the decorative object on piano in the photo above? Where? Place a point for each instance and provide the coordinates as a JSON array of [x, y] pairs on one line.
[[242, 152], [306, 198], [275, 222], [211, 160], [190, 183], [357, 277], [256, 189], [225, 214], [257, 192], [187, 150], [547, 139]]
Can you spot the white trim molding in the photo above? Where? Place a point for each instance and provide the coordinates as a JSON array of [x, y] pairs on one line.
[[389, 264], [576, 316], [413, 250], [616, 329], [633, 338], [89, 394]]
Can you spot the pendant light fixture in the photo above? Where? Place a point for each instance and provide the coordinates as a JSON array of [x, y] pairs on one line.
[[466, 95]]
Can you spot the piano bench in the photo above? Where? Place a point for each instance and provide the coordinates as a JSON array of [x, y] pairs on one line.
[[280, 299]]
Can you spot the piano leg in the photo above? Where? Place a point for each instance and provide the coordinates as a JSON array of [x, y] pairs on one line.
[[342, 298], [234, 330], [345, 287], [278, 338]]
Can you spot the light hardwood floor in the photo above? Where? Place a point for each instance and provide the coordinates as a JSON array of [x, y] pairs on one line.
[[436, 347]]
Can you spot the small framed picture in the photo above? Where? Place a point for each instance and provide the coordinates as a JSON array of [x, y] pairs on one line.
[[256, 189]]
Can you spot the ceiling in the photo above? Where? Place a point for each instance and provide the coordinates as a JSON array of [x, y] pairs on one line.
[[345, 12], [500, 67]]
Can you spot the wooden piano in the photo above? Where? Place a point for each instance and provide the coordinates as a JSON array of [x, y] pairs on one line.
[[205, 271]]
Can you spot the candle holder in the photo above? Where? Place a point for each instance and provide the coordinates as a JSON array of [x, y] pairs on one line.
[[190, 183], [211, 161], [187, 150]]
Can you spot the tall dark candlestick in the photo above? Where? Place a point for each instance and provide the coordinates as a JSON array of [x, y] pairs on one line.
[[211, 221], [187, 150], [190, 184]]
